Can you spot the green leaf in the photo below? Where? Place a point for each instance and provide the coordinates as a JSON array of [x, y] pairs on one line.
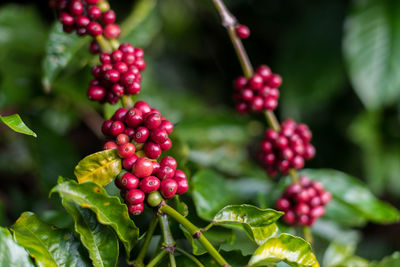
[[240, 243], [11, 254], [15, 123], [100, 167], [60, 49], [372, 48], [390, 261], [48, 245], [337, 253], [350, 191], [100, 240], [210, 193], [109, 210], [258, 223], [290, 249]]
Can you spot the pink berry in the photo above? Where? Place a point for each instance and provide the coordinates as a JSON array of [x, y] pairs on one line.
[[143, 167], [149, 184], [242, 31], [134, 196], [168, 188]]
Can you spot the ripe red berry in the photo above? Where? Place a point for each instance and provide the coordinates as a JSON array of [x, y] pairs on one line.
[[165, 172], [179, 174], [264, 71], [134, 88], [274, 81], [143, 167], [168, 188], [152, 150], [122, 139], [96, 93], [66, 19], [136, 209], [149, 184], [76, 7], [116, 128], [110, 145], [283, 204], [112, 76], [183, 185], [126, 150], [134, 118], [92, 2], [242, 31], [112, 31], [168, 161], [108, 17], [120, 114], [166, 145], [82, 21], [256, 81], [142, 106], [152, 121], [156, 166], [141, 134], [94, 12], [129, 181], [94, 47], [134, 196], [94, 29], [126, 48], [159, 135], [127, 163]]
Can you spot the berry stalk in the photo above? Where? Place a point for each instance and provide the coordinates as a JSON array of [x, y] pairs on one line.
[[195, 232], [190, 256], [149, 235], [157, 258], [169, 242], [230, 23]]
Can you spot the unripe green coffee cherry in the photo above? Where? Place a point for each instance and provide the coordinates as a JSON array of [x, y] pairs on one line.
[[154, 199]]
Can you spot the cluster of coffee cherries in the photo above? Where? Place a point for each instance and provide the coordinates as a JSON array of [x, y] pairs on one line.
[[287, 149], [151, 181], [119, 74], [259, 93], [303, 202], [142, 126], [87, 17]]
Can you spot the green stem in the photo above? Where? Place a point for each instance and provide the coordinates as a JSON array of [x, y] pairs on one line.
[[307, 234], [157, 258], [195, 232], [104, 44], [294, 176], [272, 120], [190, 256], [169, 242], [149, 235], [208, 227]]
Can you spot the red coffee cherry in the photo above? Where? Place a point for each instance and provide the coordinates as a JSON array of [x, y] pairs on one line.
[[127, 163], [142, 106], [112, 31], [110, 145], [183, 185], [94, 29], [134, 196], [134, 117], [129, 181], [141, 134], [166, 145], [126, 150], [122, 139], [168, 161], [242, 31], [152, 150], [96, 93], [136, 209], [168, 188], [116, 128], [143, 167], [165, 172], [149, 184], [108, 17], [152, 121]]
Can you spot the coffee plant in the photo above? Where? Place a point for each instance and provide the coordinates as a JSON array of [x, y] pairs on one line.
[[167, 191]]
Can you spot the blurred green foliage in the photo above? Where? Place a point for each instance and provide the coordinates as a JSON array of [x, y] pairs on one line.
[[340, 65]]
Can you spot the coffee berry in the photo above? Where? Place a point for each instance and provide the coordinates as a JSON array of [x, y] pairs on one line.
[[258, 93], [289, 148], [140, 127], [151, 180], [303, 202]]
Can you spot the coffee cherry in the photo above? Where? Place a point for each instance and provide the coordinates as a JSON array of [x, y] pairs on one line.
[[179, 174], [126, 48], [166, 145], [126, 150], [242, 31], [142, 106], [117, 180], [76, 7], [154, 199], [116, 128], [183, 185], [156, 166], [166, 126], [66, 19], [283, 204], [136, 209], [143, 167], [152, 120], [168, 161], [152, 150], [112, 31], [141, 134], [96, 93], [134, 196], [127, 163], [134, 118], [120, 114], [108, 17], [110, 145], [112, 76], [94, 12], [165, 172], [122, 139], [168, 188], [94, 47], [129, 181], [94, 29], [149, 184]]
